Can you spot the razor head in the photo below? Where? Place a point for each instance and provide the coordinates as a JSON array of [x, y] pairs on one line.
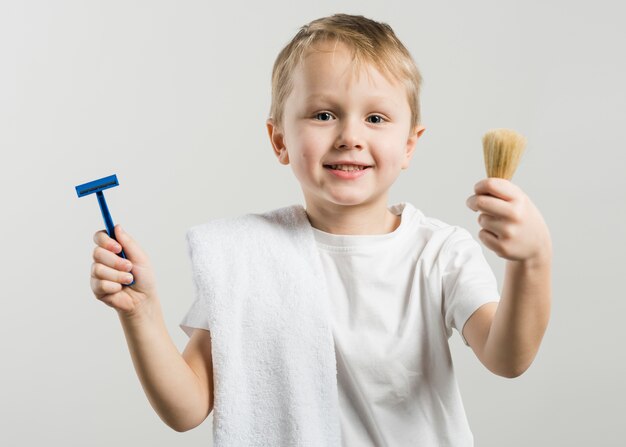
[[97, 185]]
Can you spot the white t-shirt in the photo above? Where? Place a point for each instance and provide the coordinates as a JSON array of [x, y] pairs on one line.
[[394, 299]]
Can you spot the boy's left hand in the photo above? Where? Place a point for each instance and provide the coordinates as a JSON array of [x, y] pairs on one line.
[[511, 224]]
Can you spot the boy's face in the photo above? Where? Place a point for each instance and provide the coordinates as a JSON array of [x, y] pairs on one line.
[[347, 136]]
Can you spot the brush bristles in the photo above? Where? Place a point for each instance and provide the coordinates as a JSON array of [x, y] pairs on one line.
[[503, 149]]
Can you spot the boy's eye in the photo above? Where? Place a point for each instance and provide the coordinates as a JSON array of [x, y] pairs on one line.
[[375, 119], [323, 116]]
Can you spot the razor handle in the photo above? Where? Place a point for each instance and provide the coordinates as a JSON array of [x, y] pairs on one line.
[[108, 221]]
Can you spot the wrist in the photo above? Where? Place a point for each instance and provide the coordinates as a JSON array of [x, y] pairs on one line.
[[540, 261], [148, 312]]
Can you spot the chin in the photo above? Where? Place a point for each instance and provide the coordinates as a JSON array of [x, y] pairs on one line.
[[351, 200]]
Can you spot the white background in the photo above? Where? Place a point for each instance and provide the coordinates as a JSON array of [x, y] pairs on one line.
[[172, 96]]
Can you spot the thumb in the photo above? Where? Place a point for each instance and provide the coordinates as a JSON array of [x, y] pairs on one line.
[[131, 249]]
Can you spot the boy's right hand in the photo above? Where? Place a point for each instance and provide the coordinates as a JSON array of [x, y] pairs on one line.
[[109, 272]]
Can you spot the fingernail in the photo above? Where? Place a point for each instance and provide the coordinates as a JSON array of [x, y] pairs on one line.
[[129, 279]]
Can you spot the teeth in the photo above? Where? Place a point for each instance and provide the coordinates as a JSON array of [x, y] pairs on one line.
[[347, 167]]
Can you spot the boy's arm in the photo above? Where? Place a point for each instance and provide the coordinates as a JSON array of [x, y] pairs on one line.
[[506, 336], [179, 387]]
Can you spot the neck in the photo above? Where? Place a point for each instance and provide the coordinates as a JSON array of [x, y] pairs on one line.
[[353, 220]]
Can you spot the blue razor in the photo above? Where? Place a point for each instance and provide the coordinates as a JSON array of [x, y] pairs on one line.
[[98, 186]]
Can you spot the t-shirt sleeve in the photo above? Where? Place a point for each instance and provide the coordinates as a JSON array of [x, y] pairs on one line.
[[198, 314], [196, 318], [467, 280]]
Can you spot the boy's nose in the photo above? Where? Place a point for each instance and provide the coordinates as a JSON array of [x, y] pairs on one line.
[[349, 136]]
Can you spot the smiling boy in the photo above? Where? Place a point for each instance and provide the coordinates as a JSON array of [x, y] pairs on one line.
[[348, 127], [347, 134], [345, 117]]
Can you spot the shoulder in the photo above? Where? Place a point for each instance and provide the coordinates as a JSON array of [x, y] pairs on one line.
[[248, 227], [439, 237], [431, 227]]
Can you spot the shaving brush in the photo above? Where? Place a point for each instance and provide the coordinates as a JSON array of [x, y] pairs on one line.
[[503, 149]]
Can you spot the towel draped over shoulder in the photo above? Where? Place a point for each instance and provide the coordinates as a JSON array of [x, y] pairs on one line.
[[261, 292]]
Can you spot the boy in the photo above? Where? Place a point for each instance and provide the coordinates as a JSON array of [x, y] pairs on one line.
[[345, 117]]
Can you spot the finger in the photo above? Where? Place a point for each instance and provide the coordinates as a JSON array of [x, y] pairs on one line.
[[101, 288], [490, 240], [131, 248], [488, 204], [105, 273], [497, 187], [493, 225], [112, 260], [118, 301], [102, 239]]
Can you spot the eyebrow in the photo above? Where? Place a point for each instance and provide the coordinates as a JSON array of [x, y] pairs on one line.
[[330, 98], [320, 97]]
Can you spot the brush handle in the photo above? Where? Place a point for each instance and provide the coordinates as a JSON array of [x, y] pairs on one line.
[[108, 221]]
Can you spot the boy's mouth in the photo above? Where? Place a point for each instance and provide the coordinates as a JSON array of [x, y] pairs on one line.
[[347, 167]]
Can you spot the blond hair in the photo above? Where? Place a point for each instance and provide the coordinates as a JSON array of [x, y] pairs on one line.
[[370, 41]]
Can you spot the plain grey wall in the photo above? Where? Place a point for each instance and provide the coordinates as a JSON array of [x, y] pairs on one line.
[[172, 96]]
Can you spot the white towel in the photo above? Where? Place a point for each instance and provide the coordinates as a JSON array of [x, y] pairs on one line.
[[261, 291]]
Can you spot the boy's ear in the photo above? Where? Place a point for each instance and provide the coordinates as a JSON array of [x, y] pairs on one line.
[[411, 143], [278, 142]]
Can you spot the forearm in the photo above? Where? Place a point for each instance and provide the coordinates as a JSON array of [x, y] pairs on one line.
[[521, 318], [172, 387]]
